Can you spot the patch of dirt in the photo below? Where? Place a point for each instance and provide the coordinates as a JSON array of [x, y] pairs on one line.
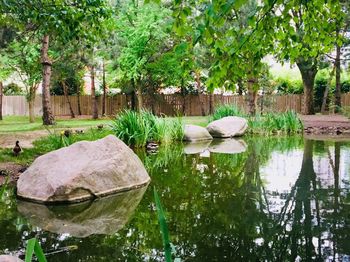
[[334, 125], [11, 172], [25, 138]]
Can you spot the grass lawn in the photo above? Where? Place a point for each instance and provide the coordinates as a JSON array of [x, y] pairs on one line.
[[21, 123], [196, 120]]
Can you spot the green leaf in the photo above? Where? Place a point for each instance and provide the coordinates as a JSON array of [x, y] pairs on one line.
[[30, 249], [3, 188], [33, 247], [39, 252], [163, 227]]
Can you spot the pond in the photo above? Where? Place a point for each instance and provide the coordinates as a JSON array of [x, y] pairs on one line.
[[263, 199]]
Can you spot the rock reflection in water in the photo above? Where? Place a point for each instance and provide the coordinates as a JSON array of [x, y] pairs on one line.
[[224, 146], [228, 146], [196, 147], [103, 216]]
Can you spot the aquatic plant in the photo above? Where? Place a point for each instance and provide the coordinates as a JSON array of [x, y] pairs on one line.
[[275, 123], [138, 128], [3, 187], [270, 123], [226, 110], [168, 246], [33, 247]]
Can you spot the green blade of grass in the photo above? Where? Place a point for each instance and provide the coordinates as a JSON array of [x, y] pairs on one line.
[[39, 252], [33, 247], [4, 186], [163, 227], [30, 249]]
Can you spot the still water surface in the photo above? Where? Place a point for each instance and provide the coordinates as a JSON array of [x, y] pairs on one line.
[[276, 199]]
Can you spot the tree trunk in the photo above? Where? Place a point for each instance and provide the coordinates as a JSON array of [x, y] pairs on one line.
[[337, 96], [240, 86], [31, 110], [211, 103], [31, 101], [65, 92], [139, 98], [48, 118], [199, 89], [183, 94], [252, 96], [93, 94], [326, 91], [133, 100], [262, 101], [78, 100], [308, 72], [104, 89], [1, 95]]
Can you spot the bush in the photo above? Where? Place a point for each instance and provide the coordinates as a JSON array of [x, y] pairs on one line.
[[287, 86], [320, 87], [345, 86], [346, 111], [139, 128], [13, 89], [225, 110], [270, 123]]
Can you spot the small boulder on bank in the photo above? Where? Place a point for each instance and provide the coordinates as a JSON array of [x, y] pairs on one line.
[[229, 126], [196, 133], [82, 171]]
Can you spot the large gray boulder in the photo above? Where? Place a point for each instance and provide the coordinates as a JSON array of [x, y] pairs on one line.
[[82, 171], [229, 126], [228, 146], [196, 133], [7, 258], [103, 216]]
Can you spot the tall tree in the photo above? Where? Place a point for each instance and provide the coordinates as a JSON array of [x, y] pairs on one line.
[[142, 30], [342, 26], [24, 59], [234, 34], [93, 93], [7, 34], [297, 30], [60, 19], [305, 31]]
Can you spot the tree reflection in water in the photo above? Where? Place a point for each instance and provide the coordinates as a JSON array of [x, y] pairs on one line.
[[219, 208]]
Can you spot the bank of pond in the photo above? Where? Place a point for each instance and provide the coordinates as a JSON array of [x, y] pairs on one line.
[[252, 198]]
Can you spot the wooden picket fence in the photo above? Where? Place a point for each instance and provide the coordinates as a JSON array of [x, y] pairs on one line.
[[190, 105]]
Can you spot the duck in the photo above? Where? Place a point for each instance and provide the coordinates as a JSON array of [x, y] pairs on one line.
[[17, 149], [67, 133], [151, 146], [100, 127], [81, 131]]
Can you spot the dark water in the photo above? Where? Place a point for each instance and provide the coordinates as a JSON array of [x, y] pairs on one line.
[[280, 199]]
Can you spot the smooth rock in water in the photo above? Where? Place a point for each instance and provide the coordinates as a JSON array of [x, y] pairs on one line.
[[103, 216], [228, 146], [229, 126], [82, 171], [7, 258], [196, 147], [196, 133]]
